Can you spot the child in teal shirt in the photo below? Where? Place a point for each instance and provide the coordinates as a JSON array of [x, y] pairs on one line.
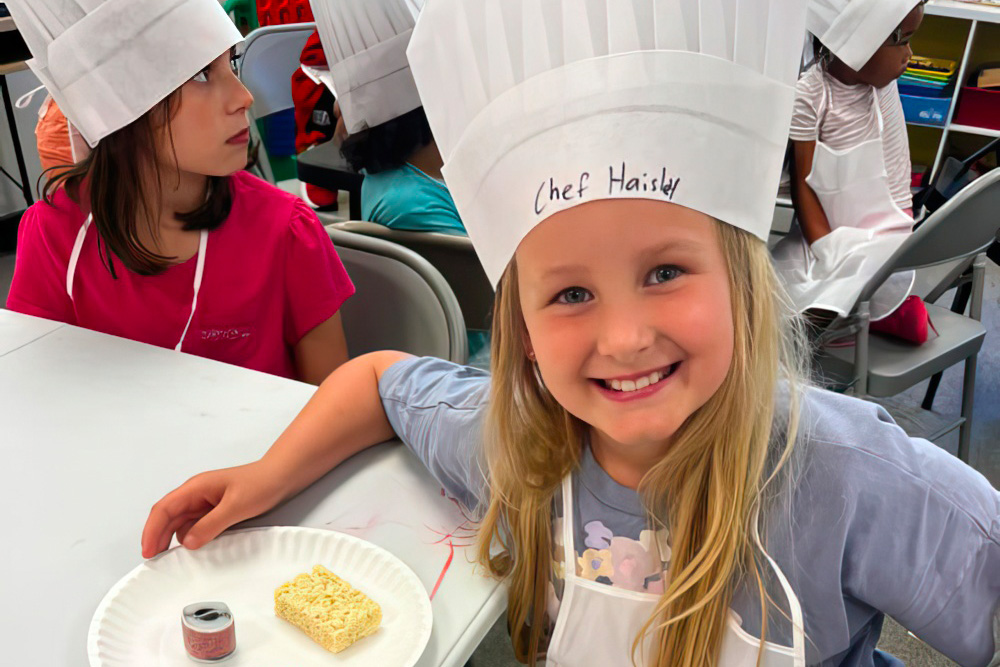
[[407, 198], [403, 188]]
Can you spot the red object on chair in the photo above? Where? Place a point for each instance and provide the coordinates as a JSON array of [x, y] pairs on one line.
[[314, 122], [908, 322]]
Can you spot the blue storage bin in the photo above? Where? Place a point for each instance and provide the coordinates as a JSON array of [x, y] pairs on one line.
[[917, 90], [279, 133], [926, 110]]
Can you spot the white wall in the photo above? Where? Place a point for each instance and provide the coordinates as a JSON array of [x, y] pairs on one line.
[[10, 196]]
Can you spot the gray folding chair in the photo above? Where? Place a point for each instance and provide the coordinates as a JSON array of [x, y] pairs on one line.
[[270, 57], [450, 254], [402, 302], [881, 367]]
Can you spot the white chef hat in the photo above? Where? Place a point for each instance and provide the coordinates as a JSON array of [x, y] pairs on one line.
[[365, 44], [108, 62], [541, 105], [853, 30]]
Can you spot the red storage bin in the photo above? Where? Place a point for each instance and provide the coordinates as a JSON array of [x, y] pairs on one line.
[[979, 107], [279, 12]]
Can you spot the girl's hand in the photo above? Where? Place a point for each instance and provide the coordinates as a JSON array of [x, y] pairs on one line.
[[204, 506], [343, 417]]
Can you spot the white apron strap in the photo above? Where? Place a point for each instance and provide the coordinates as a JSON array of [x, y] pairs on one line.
[[878, 111], [569, 549], [199, 271], [798, 625], [198, 274], [824, 98], [24, 100], [74, 257]]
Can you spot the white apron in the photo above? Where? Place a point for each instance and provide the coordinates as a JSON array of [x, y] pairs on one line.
[[597, 623], [867, 228], [199, 271]]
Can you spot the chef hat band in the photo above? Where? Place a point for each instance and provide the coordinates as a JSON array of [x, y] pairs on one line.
[[108, 63], [365, 44], [854, 30], [684, 101]]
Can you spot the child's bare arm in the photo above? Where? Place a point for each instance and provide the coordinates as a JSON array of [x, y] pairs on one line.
[[808, 210], [321, 351], [344, 417]]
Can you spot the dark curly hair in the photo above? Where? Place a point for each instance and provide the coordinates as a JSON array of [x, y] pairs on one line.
[[389, 145]]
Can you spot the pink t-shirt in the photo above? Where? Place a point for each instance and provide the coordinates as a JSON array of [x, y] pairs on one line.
[[271, 275]]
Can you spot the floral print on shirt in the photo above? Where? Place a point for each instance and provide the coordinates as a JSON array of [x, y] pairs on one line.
[[634, 565]]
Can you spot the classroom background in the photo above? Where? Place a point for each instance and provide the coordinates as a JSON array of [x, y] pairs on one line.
[[952, 113]]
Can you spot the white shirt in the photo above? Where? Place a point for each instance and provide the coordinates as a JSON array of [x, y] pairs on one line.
[[846, 120]]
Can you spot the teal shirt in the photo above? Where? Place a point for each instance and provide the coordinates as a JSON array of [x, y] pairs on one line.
[[407, 198]]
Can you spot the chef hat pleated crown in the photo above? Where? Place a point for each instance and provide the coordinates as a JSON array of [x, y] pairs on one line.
[[365, 45], [541, 105], [853, 30], [108, 62]]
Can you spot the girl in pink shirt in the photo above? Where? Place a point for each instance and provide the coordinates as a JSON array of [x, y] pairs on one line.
[[160, 237]]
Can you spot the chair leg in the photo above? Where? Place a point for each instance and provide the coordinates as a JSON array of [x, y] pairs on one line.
[[960, 303], [968, 399], [932, 388]]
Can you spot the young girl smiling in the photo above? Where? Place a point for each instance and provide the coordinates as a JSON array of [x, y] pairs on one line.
[[158, 235], [656, 482]]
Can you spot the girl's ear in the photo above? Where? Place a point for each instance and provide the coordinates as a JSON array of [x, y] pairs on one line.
[[528, 348]]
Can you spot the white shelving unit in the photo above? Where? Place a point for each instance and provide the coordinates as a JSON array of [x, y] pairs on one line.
[[976, 14]]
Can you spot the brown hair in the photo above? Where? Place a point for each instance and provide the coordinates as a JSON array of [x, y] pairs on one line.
[[120, 180]]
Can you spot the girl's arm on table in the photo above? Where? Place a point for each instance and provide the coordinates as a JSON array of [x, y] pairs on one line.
[[808, 210], [344, 417]]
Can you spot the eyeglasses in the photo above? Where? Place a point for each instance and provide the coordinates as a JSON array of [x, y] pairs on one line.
[[896, 38]]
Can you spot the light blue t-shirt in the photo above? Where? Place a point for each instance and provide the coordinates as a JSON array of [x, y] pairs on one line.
[[872, 522], [408, 199]]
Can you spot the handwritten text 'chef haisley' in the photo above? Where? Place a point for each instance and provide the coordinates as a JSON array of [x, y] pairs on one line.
[[619, 181]]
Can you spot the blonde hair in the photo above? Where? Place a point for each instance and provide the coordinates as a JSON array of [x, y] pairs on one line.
[[708, 488]]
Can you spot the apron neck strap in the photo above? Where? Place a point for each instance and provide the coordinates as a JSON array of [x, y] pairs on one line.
[[877, 103], [199, 272], [569, 549], [74, 257], [794, 607]]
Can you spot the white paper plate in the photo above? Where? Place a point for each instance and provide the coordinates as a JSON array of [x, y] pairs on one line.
[[139, 620]]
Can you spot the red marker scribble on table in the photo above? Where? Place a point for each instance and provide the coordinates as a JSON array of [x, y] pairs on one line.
[[465, 532]]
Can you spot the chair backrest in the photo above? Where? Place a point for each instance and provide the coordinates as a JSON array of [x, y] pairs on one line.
[[964, 226], [453, 256], [402, 302], [270, 57]]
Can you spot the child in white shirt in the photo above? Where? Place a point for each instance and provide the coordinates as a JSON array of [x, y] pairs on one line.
[[851, 168]]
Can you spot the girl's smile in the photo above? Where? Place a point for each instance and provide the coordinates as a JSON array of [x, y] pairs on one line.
[[635, 386]]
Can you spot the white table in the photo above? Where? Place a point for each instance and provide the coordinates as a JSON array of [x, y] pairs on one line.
[[94, 429]]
